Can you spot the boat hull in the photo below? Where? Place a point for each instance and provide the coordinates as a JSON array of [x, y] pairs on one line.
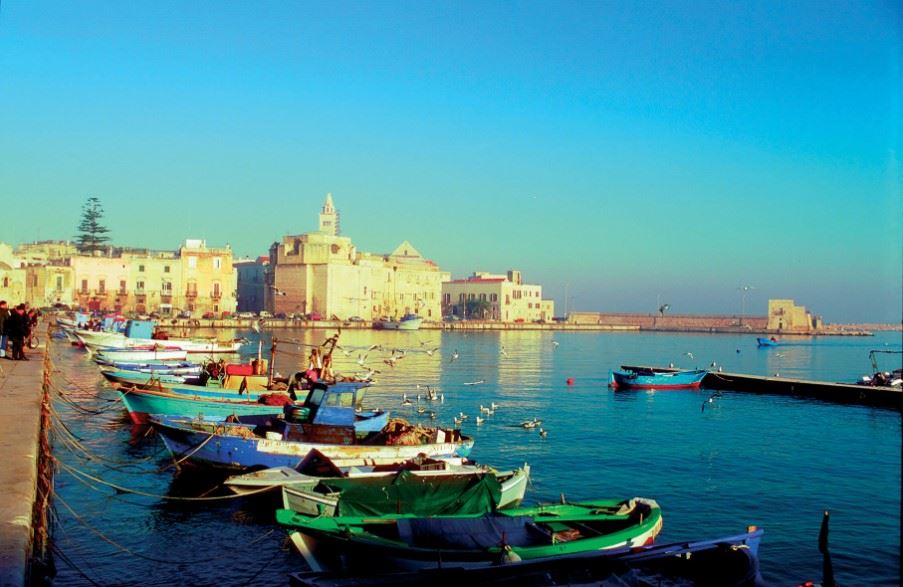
[[136, 356], [657, 380], [340, 544], [730, 561], [182, 437], [140, 404]]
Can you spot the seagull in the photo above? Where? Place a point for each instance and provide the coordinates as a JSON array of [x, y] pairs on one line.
[[361, 359], [457, 421], [455, 355], [479, 420], [431, 351], [711, 399], [485, 409], [478, 382], [493, 405], [503, 352], [555, 343], [542, 433], [432, 415], [430, 394], [373, 347], [462, 416], [689, 354], [531, 423], [407, 402], [421, 410]]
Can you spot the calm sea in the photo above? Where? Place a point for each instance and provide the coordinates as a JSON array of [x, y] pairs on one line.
[[775, 462]]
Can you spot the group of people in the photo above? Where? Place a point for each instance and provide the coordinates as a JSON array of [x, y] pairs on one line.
[[17, 326]]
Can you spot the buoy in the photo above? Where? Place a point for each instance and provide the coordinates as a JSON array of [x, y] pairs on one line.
[[570, 381]]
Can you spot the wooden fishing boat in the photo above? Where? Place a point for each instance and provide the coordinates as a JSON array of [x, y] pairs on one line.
[[730, 561], [147, 379], [650, 378], [316, 466], [140, 403], [425, 492], [169, 367], [406, 542], [327, 421]]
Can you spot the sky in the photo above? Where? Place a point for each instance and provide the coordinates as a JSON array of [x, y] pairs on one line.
[[621, 154]]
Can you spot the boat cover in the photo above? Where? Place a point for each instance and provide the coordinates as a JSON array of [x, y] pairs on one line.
[[452, 494], [469, 533]]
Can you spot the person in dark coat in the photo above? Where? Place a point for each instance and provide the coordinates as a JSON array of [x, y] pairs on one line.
[[4, 315], [16, 327]]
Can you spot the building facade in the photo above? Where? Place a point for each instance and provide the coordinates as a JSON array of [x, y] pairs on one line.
[[487, 296], [785, 316], [323, 273], [251, 275]]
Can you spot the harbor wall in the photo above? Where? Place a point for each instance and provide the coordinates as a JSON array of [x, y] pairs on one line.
[[20, 444]]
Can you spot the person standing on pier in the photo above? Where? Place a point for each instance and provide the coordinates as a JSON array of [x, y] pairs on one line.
[[4, 315], [16, 327]]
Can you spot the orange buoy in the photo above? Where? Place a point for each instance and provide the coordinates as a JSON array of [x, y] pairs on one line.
[[570, 381]]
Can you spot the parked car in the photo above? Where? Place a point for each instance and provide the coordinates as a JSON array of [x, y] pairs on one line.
[[279, 315], [209, 315], [185, 314], [264, 314], [245, 315], [355, 319], [315, 316]]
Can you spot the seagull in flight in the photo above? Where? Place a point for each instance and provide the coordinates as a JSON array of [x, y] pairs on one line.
[[455, 355]]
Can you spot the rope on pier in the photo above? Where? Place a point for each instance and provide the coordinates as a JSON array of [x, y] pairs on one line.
[[120, 489]]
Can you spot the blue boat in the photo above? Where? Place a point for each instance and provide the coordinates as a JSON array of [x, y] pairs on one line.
[[327, 421], [654, 378], [171, 367], [140, 403], [766, 342]]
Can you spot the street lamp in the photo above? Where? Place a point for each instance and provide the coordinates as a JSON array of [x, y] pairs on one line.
[[745, 289]]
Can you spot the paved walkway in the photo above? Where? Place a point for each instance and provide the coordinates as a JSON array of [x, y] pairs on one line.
[[20, 420]]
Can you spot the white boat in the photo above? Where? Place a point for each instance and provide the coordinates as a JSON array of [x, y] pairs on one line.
[[407, 322], [158, 354], [188, 345]]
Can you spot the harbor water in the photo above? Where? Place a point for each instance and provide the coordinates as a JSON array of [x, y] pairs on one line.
[[715, 467]]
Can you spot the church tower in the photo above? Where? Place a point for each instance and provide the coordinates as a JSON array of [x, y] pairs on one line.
[[329, 218]]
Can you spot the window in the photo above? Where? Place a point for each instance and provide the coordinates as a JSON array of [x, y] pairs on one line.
[[140, 287], [493, 297], [167, 287], [166, 269], [140, 268], [84, 285], [122, 289], [446, 298], [192, 262], [216, 289], [6, 282], [102, 286], [59, 283], [217, 263]]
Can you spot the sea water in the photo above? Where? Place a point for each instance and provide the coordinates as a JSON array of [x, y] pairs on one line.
[[715, 467]]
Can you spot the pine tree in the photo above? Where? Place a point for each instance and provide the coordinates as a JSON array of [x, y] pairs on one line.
[[92, 233]]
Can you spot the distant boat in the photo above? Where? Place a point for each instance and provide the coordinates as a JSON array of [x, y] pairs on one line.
[[651, 378], [767, 341], [407, 322]]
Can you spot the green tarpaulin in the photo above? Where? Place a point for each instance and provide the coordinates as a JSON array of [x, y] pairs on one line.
[[407, 493]]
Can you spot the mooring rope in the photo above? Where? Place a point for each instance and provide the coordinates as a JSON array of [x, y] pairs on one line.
[[131, 552], [121, 489]]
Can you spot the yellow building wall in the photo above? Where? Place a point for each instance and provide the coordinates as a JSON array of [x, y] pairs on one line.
[[12, 284], [786, 316], [208, 279]]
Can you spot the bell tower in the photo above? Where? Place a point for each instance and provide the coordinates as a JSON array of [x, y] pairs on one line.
[[329, 217]]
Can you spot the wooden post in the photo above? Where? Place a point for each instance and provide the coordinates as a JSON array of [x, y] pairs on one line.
[[272, 363]]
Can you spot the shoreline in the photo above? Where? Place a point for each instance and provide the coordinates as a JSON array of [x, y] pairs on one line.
[[480, 325]]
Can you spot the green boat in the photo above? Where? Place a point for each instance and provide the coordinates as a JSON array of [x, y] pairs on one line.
[[409, 542]]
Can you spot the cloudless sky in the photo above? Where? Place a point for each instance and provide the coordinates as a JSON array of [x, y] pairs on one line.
[[622, 154]]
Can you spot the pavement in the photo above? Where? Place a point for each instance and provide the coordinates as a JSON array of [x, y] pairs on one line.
[[20, 420]]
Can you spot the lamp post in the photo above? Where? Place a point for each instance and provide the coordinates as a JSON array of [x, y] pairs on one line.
[[745, 289]]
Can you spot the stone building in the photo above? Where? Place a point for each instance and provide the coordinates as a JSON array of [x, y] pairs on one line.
[[785, 316], [251, 283], [505, 298], [323, 273], [194, 278]]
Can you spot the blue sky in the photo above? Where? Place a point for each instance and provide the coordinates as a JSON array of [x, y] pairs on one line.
[[624, 152]]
